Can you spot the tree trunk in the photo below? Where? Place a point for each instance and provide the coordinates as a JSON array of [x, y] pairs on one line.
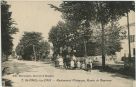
[[34, 52], [103, 47], [85, 55]]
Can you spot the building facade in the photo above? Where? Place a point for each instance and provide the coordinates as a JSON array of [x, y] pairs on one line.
[[125, 44]]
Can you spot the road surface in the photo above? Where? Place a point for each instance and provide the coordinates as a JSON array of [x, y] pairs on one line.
[[43, 74]]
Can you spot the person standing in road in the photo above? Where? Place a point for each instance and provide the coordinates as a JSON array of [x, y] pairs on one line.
[[72, 64], [67, 61], [83, 65], [87, 64], [57, 61], [61, 62], [90, 63], [78, 64], [75, 60]]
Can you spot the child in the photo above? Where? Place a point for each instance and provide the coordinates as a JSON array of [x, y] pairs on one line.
[[74, 58], [88, 66], [78, 64], [91, 65], [67, 61], [83, 65], [72, 64], [60, 62], [57, 61]]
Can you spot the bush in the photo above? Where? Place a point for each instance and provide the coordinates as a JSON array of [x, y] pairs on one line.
[[129, 65], [123, 58]]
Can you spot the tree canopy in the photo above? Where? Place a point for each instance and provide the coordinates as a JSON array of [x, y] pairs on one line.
[[101, 12], [7, 29], [32, 44]]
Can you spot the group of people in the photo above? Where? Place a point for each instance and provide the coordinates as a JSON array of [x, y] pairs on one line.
[[71, 62]]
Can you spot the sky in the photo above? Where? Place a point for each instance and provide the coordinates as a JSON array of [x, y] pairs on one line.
[[34, 16], [38, 16]]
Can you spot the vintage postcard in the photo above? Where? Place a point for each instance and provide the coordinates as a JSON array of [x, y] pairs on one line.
[[48, 43]]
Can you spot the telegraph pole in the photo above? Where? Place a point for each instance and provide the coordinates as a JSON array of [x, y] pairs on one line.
[[129, 54]]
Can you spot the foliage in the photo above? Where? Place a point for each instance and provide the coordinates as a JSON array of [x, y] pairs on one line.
[[65, 35], [7, 29], [113, 37], [44, 49], [102, 12], [59, 35], [30, 43]]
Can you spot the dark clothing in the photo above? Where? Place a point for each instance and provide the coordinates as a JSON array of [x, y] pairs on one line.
[[88, 67]]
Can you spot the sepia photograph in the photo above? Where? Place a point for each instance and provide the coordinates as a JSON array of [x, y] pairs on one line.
[[48, 43]]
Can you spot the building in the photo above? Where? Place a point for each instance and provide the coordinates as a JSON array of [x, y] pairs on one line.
[[124, 43]]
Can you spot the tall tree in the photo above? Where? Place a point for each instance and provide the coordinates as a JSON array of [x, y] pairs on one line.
[[123, 9], [101, 12], [29, 45], [113, 37], [66, 34], [44, 50], [7, 29]]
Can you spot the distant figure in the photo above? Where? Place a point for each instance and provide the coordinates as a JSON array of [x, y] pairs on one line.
[[78, 64], [83, 65], [86, 61], [75, 60], [5, 71], [96, 59], [89, 65], [60, 62], [72, 64], [68, 61], [19, 57], [65, 62], [57, 61]]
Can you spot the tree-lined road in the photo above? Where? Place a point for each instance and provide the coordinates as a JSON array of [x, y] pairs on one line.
[[43, 74]]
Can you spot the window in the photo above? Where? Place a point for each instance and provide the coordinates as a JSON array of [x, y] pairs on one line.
[[132, 38]]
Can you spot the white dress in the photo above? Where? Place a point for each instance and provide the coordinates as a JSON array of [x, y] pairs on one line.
[[90, 63], [87, 61], [72, 63], [78, 64], [61, 61], [83, 66], [74, 58]]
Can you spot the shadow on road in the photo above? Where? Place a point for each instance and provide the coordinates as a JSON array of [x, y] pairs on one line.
[[117, 73], [6, 83]]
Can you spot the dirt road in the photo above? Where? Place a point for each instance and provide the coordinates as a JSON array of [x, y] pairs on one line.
[[42, 74]]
